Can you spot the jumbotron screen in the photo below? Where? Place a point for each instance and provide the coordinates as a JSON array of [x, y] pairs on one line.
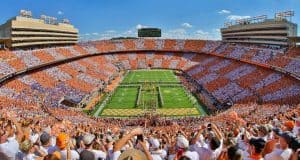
[[149, 32]]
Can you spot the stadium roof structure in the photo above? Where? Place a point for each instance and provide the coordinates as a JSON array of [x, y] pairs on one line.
[[279, 16]]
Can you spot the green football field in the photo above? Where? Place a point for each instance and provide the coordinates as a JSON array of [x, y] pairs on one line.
[[150, 90], [123, 98], [175, 97], [150, 76]]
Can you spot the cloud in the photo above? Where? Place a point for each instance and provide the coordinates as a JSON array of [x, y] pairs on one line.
[[128, 33], [224, 11], [110, 31], [139, 26], [201, 32], [173, 33], [181, 33], [186, 25], [217, 30], [236, 17], [214, 34], [178, 33], [60, 12]]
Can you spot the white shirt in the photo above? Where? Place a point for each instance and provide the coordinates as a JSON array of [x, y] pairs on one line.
[[158, 155], [171, 156], [242, 145], [74, 155], [23, 156], [10, 148], [296, 130], [206, 153], [191, 155], [116, 155], [98, 154], [198, 145], [284, 154], [34, 137], [49, 149], [29, 157]]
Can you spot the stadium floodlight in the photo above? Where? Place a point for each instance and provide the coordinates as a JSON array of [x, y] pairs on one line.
[[29, 14], [53, 20], [50, 20], [255, 19], [283, 15], [43, 17], [243, 21], [66, 21], [259, 18], [25, 13], [227, 24]]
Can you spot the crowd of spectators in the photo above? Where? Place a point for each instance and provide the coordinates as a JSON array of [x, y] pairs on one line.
[[81, 77], [251, 53], [35, 126], [228, 80], [250, 131], [266, 55]]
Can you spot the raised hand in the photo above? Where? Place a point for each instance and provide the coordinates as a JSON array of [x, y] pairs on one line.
[[137, 131]]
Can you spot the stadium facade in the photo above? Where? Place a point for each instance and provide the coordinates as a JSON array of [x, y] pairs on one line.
[[25, 31], [260, 30]]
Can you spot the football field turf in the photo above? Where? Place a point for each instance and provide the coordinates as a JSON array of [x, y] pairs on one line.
[[150, 76], [148, 90]]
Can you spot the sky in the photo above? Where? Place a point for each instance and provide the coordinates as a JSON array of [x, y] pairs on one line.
[[186, 19]]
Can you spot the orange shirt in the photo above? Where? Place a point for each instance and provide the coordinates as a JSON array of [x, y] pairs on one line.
[[256, 156], [270, 145]]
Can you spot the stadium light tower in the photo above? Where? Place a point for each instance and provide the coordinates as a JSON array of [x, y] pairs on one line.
[[243, 21], [282, 15], [227, 24], [25, 13], [43, 17], [259, 18], [49, 20], [66, 21]]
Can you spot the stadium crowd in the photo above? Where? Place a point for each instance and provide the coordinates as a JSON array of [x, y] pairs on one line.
[[250, 131], [238, 82], [84, 75], [30, 131]]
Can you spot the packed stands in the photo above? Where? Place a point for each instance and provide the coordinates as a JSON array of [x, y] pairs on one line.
[[33, 82], [227, 78], [42, 134], [294, 52]]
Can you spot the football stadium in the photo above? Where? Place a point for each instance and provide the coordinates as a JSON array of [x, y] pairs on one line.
[[148, 94]]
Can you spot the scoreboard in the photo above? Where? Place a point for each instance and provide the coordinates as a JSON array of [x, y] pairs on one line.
[[149, 32]]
